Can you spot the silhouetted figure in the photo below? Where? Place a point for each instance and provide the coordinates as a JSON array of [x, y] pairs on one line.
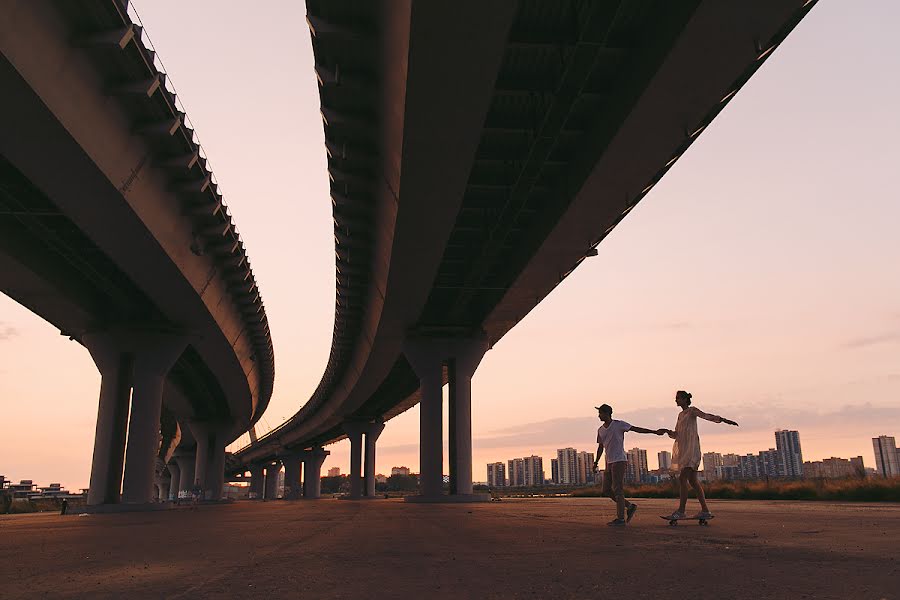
[[64, 506], [611, 437], [686, 453]]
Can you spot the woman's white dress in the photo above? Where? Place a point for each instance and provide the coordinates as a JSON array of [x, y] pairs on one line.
[[686, 451]]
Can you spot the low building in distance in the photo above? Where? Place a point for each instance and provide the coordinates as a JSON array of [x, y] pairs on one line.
[[834, 468]]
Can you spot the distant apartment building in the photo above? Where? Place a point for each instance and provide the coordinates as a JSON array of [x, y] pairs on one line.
[[727, 472], [24, 490], [711, 461], [584, 468], [636, 470], [516, 471], [787, 443], [748, 466], [730, 460], [554, 470], [664, 460], [568, 466], [496, 474], [381, 478], [334, 472], [834, 468], [887, 456], [533, 470], [770, 464], [399, 471]]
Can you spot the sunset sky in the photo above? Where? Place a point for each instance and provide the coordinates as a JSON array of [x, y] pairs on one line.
[[761, 273]]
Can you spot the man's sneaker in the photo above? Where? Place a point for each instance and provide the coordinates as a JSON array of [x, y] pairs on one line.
[[675, 515], [617, 523], [704, 515], [630, 513]]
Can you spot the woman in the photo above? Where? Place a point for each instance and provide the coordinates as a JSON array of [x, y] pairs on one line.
[[686, 453]]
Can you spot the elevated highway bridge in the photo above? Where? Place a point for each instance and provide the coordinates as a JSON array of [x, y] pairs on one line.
[[478, 153], [113, 229]]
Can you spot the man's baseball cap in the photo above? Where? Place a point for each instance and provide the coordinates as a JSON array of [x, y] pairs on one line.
[[604, 408]]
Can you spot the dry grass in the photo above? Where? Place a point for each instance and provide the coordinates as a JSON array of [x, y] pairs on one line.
[[856, 490]]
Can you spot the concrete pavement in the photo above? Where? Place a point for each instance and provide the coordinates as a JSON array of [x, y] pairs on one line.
[[536, 548]]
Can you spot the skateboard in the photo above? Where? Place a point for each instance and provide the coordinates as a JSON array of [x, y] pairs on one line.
[[674, 522]]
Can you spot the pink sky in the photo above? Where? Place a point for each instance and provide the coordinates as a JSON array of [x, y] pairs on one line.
[[760, 274]]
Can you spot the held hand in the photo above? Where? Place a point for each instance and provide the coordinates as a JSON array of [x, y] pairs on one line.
[[662, 431], [671, 434]]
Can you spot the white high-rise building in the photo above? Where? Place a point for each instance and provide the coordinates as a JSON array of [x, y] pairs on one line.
[[496, 474], [533, 470], [887, 456], [567, 459], [584, 467], [636, 468], [711, 460], [665, 460], [516, 471], [770, 464], [787, 443]]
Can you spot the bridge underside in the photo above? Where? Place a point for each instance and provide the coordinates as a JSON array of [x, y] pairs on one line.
[[587, 105], [112, 229]]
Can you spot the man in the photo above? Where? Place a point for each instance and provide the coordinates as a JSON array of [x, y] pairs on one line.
[[611, 438]]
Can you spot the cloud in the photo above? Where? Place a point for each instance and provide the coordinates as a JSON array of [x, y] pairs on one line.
[[891, 337], [7, 332]]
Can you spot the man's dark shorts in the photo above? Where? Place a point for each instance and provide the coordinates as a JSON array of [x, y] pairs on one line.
[[614, 479]]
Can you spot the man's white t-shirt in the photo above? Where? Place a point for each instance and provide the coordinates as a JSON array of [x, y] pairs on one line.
[[613, 440]]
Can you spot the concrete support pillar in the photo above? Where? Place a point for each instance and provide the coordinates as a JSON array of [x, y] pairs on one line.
[[138, 361], [186, 462], [112, 418], [427, 361], [163, 487], [215, 474], [210, 460], [257, 482], [372, 432], [312, 472], [292, 472], [461, 369], [428, 356], [175, 481], [272, 470], [355, 430]]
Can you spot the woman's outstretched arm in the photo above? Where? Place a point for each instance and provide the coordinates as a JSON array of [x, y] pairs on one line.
[[713, 418]]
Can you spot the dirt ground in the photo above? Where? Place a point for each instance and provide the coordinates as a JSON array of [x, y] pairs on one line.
[[540, 548]]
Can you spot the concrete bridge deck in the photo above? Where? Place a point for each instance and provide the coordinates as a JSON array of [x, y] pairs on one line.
[[557, 548]]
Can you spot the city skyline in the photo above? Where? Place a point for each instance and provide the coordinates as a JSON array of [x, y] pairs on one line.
[[753, 275], [784, 460]]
